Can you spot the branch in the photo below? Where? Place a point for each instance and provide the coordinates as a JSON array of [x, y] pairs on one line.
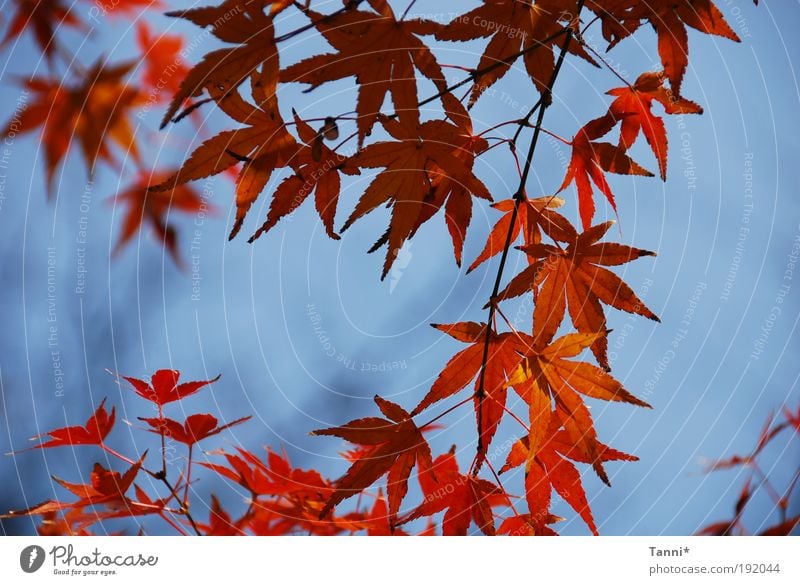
[[544, 102], [184, 505], [478, 73], [291, 34]]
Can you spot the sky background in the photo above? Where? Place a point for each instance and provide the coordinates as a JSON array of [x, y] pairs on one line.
[[252, 318]]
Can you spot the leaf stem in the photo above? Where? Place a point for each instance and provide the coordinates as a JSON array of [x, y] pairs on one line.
[[445, 413]]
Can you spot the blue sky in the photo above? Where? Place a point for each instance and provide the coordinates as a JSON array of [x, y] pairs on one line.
[[268, 316]]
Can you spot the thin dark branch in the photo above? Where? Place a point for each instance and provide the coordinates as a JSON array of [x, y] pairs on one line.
[[184, 506], [519, 196], [291, 34], [478, 73], [408, 9]]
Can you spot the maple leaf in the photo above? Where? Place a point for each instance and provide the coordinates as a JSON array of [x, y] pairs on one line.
[[301, 495], [534, 216], [377, 521], [381, 52], [397, 446], [419, 153], [318, 169], [465, 497], [551, 469], [93, 432], [142, 505], [547, 378], [503, 357], [164, 66], [153, 208], [669, 18], [574, 278], [194, 429], [447, 191], [220, 522], [633, 106], [274, 477], [237, 22], [107, 488], [164, 388], [90, 108], [590, 160], [514, 26], [264, 144], [43, 18]]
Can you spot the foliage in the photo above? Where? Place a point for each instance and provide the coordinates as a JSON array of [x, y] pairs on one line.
[[426, 163]]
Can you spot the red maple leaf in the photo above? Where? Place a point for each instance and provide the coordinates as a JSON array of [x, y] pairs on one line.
[[164, 388], [591, 160], [381, 52], [106, 488], [575, 279], [154, 207], [397, 445], [196, 427], [90, 108], [419, 153], [503, 357], [93, 432], [465, 498], [633, 105]]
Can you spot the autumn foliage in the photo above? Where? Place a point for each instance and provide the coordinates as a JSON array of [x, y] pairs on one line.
[[423, 152]]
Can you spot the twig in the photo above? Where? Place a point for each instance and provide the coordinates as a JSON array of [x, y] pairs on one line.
[[291, 34], [184, 506], [546, 101]]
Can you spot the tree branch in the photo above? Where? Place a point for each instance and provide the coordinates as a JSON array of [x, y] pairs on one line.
[[544, 102]]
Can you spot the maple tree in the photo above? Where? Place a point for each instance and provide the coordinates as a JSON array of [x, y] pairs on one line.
[[424, 159]]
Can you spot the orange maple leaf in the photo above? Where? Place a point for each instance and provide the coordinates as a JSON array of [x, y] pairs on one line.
[[243, 24], [574, 278], [550, 468], [633, 106], [144, 206], [514, 26], [590, 160], [43, 18], [397, 445], [669, 19], [465, 498], [413, 167], [318, 169], [381, 52], [533, 217], [164, 67], [91, 108], [547, 378], [503, 357], [264, 144]]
